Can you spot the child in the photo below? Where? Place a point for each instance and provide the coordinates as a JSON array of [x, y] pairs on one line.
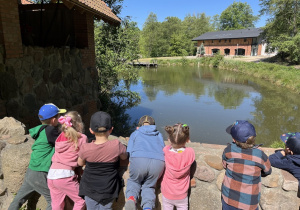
[[145, 147], [62, 180], [179, 159], [40, 160], [244, 165], [100, 183], [289, 159]]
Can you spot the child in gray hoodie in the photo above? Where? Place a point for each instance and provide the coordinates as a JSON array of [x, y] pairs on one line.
[[145, 147]]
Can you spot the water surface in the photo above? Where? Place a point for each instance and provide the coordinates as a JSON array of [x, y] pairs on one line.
[[208, 100]]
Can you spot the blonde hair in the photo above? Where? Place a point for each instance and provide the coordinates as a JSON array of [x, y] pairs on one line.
[[73, 133], [179, 133]]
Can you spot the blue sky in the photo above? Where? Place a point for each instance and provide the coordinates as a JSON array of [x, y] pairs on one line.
[[140, 9]]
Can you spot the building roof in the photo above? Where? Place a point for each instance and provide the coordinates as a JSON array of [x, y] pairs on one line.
[[99, 8], [232, 34], [96, 7]]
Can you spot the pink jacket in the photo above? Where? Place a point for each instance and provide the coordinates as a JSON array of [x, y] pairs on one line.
[[65, 156], [176, 180]]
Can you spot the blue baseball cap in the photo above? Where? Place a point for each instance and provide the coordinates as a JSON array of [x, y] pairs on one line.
[[241, 130], [49, 110], [292, 141]]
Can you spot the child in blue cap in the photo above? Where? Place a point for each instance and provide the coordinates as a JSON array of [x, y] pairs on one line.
[[289, 158], [244, 165], [40, 161]]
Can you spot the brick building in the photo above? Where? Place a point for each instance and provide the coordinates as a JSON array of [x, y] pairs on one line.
[[47, 54], [246, 42]]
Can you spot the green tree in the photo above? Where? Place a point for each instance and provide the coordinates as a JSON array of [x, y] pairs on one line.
[[216, 22], [237, 16], [193, 26], [202, 49], [152, 43], [115, 47], [282, 30]]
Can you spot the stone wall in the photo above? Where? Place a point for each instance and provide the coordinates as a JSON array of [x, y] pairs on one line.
[[279, 190], [45, 75]]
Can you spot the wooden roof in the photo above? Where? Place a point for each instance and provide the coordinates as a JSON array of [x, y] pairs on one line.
[[97, 7]]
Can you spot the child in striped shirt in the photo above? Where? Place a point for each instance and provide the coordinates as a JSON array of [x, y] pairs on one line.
[[244, 164]]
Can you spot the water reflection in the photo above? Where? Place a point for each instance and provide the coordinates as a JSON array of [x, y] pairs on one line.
[[211, 99]]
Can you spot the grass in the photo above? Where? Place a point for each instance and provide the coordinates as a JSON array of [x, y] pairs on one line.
[[277, 144]]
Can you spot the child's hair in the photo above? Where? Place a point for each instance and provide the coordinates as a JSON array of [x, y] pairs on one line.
[[48, 121], [179, 133], [71, 125], [248, 144]]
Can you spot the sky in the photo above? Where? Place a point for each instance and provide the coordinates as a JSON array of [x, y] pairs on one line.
[[140, 9]]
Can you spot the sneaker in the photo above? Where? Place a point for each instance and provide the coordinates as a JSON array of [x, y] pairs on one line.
[[130, 203]]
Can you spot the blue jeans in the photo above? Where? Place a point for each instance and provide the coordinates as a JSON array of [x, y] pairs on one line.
[[143, 175], [91, 204], [34, 181]]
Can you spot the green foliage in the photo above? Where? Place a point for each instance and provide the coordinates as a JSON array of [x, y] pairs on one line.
[[282, 30], [115, 47], [237, 16], [172, 37], [277, 144], [202, 49]]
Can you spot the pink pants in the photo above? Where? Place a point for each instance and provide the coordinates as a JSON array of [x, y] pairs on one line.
[[180, 204], [60, 188]]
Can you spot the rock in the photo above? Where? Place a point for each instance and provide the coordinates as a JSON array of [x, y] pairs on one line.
[[275, 199], [56, 76], [290, 183], [10, 126], [205, 197], [214, 161], [2, 145], [17, 139], [204, 173], [17, 156], [220, 179], [2, 187], [273, 180]]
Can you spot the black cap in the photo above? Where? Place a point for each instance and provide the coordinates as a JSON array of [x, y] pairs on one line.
[[100, 122]]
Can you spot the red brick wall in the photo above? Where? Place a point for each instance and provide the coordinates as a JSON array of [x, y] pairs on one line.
[[84, 32], [10, 28], [231, 44]]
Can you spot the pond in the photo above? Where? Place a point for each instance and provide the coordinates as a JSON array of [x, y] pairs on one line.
[[209, 100]]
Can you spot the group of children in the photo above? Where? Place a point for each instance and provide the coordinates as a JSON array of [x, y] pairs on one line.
[[59, 154]]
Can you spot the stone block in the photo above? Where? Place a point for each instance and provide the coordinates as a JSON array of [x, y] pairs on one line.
[[17, 156], [17, 139], [205, 196], [10, 126], [214, 161], [220, 179], [204, 173], [27, 85], [290, 183], [276, 199], [274, 179]]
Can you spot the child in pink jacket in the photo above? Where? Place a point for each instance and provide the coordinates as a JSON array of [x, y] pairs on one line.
[[62, 180], [178, 161]]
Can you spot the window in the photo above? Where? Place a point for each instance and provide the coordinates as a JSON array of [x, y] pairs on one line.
[[219, 40], [229, 40], [203, 42], [225, 40], [245, 40], [212, 41]]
